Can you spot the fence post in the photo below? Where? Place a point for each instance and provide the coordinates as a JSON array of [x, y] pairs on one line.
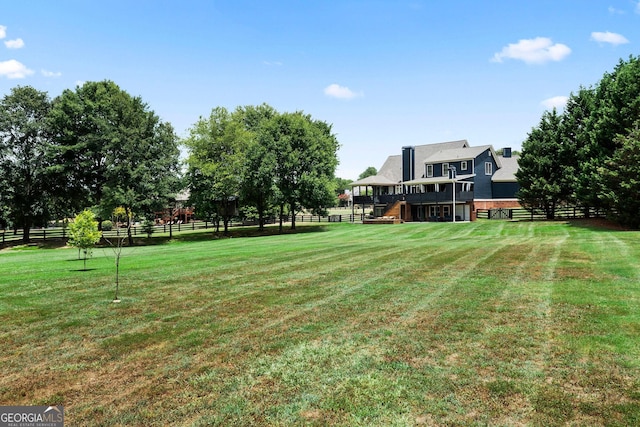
[[44, 234]]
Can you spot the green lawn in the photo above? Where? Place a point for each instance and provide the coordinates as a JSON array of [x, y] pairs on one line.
[[480, 323]]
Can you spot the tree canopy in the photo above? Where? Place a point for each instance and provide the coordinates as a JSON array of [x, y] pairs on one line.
[[217, 146], [112, 150], [542, 184], [370, 171], [99, 147], [95, 146], [262, 158], [593, 139], [25, 190]]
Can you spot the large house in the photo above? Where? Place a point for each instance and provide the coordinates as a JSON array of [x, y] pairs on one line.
[[418, 184]]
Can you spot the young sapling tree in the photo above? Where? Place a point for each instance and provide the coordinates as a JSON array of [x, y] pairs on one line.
[[84, 233]]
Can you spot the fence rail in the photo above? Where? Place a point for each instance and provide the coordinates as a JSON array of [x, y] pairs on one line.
[[563, 212], [43, 234]]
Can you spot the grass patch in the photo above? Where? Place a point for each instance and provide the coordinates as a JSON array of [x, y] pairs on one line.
[[496, 323]]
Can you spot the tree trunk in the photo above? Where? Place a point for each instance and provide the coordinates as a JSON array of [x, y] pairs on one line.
[[281, 213], [293, 215], [26, 231]]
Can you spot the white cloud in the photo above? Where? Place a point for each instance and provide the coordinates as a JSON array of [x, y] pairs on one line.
[[47, 73], [13, 69], [342, 92], [3, 31], [272, 63], [533, 51], [614, 11], [557, 102], [607, 37], [14, 44], [638, 7]]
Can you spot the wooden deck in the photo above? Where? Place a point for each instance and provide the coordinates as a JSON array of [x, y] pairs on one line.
[[383, 220]]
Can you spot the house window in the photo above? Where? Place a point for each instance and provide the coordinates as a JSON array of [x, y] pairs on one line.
[[463, 166], [488, 168], [429, 171], [445, 169]]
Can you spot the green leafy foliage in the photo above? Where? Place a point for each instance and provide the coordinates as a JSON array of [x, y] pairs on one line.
[[581, 156], [621, 176], [544, 181], [111, 150], [263, 157], [25, 183], [217, 147], [84, 234], [370, 171]]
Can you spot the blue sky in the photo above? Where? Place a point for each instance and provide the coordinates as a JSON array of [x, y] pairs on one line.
[[385, 73]]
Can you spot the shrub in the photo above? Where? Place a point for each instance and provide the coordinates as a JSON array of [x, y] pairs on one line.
[[148, 227]]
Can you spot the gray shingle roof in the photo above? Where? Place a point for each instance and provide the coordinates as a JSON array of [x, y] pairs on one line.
[[467, 153], [389, 174], [507, 173], [424, 151]]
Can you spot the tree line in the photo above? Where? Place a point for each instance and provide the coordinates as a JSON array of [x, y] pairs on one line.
[[589, 154], [99, 147], [273, 163]]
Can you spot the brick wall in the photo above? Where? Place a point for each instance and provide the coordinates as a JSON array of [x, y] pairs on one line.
[[496, 204]]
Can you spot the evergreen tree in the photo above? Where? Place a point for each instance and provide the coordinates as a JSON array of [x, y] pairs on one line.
[[543, 178], [621, 178]]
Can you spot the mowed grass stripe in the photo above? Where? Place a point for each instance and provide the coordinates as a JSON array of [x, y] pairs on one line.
[[483, 323]]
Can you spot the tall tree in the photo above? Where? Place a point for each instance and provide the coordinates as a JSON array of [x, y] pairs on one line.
[[544, 181], [305, 153], [621, 176], [112, 150], [217, 146], [596, 130], [258, 183], [143, 171], [25, 158], [85, 125], [577, 111], [615, 106]]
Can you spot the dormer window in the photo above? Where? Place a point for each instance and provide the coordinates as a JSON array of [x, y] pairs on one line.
[[429, 171], [463, 165]]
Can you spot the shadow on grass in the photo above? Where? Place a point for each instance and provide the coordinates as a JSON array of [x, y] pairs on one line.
[[19, 245], [598, 224], [183, 236], [233, 233], [83, 269]]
